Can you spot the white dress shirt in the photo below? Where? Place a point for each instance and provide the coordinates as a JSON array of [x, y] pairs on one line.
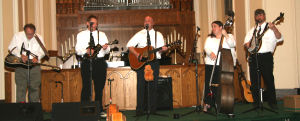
[[140, 39], [212, 45], [269, 39], [83, 39], [32, 45]]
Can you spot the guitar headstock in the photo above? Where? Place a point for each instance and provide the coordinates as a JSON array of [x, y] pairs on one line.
[[178, 42], [280, 16], [114, 42]]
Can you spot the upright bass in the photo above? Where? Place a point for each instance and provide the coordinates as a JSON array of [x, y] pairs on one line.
[[225, 89]]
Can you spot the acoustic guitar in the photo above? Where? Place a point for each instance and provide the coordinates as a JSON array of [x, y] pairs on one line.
[[245, 83], [147, 56], [113, 113]]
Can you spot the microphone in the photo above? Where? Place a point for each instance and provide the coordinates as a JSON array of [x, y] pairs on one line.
[[147, 26], [230, 13], [198, 28], [91, 24]]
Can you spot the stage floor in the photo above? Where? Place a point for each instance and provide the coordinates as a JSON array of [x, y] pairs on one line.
[[257, 115]]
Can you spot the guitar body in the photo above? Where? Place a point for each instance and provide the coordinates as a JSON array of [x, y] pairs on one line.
[[246, 84], [133, 60], [113, 113], [247, 92]]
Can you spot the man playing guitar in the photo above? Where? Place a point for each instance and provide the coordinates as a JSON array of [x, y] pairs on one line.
[[140, 40]]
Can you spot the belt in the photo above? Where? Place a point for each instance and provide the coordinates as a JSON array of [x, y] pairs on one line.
[[266, 53]]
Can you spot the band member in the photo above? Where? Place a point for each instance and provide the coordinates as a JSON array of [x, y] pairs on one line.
[[156, 41], [211, 48], [98, 63], [27, 40], [264, 57]]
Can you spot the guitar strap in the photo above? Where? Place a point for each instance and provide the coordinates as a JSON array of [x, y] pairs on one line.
[[41, 45], [98, 36], [265, 29], [155, 39]]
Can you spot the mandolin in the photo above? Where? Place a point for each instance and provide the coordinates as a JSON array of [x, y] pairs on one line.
[[135, 63], [97, 48]]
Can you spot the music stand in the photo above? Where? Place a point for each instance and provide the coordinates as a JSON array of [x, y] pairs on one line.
[[260, 96]]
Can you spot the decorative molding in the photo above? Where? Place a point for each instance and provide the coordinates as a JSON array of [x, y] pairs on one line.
[[2, 85], [23, 12], [15, 16], [53, 25], [211, 12], [247, 27], [39, 20]]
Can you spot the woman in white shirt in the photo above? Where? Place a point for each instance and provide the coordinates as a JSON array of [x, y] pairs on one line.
[[211, 48]]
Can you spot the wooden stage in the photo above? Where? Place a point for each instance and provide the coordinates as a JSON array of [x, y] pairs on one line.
[[124, 86]]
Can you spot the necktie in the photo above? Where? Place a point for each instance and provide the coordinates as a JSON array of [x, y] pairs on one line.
[[92, 43], [258, 32]]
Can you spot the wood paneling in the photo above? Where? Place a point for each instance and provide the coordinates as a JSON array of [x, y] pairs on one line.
[[8, 90], [124, 86], [123, 24]]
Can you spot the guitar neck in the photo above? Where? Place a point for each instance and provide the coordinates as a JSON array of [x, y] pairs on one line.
[[155, 50]]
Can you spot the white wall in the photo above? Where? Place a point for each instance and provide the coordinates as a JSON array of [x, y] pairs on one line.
[[286, 62]]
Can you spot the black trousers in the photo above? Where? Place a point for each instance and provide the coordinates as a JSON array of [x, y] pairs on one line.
[[265, 65], [142, 90], [209, 98], [99, 67]]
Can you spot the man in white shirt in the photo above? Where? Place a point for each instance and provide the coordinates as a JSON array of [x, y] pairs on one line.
[[99, 65], [139, 40], [264, 57], [27, 40]]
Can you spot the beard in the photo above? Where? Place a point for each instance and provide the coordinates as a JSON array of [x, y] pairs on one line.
[[259, 20]]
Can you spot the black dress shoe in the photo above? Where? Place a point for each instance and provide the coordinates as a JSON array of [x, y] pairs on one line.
[[273, 106], [139, 113]]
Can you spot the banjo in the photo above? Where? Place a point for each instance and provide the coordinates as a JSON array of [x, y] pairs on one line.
[[256, 41]]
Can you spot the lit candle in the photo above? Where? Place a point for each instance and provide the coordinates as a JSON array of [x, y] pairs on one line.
[[174, 35], [73, 38], [70, 44], [62, 50], [171, 38], [185, 45], [175, 60], [66, 45], [168, 39], [182, 43]]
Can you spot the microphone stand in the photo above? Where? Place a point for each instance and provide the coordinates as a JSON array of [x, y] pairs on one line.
[[28, 53], [90, 108], [91, 46], [193, 59]]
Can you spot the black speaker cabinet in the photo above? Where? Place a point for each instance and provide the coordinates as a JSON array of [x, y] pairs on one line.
[[21, 112], [74, 111], [164, 94]]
